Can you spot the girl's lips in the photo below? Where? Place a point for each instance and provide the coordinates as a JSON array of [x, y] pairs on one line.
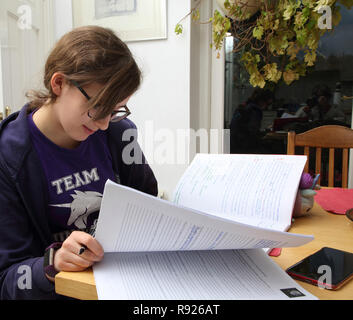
[[89, 131]]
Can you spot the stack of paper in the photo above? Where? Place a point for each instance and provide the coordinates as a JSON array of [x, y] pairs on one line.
[[156, 249]]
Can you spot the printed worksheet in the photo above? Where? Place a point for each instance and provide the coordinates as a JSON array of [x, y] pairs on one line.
[[255, 189], [132, 221], [208, 242], [194, 275]]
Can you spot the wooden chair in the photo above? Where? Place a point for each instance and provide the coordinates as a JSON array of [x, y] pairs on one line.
[[331, 137]]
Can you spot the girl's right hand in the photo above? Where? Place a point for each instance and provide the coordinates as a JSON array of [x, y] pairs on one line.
[[67, 258]]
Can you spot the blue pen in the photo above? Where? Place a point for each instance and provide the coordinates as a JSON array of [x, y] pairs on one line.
[[315, 180]]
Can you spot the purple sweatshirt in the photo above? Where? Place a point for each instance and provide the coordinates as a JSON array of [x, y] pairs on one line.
[[25, 229]]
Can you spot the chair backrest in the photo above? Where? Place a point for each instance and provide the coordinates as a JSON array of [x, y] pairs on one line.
[[331, 137]]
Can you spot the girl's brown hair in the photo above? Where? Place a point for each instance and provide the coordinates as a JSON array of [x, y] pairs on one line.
[[91, 54]]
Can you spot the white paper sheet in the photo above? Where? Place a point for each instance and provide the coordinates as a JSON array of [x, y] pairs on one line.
[[131, 221], [194, 275], [255, 189], [156, 249]]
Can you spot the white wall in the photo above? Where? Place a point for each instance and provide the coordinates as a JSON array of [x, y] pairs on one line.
[[183, 89], [164, 96], [62, 17], [165, 92]]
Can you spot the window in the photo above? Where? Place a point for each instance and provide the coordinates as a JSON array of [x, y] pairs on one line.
[[333, 72]]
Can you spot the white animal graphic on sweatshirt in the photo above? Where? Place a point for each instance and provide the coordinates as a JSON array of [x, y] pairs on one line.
[[82, 206]]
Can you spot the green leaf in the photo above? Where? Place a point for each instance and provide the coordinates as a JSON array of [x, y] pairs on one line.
[[220, 25], [290, 76], [258, 32], [306, 12], [274, 44], [310, 58], [178, 29], [290, 10], [275, 24], [309, 3], [257, 80], [311, 24], [292, 50], [195, 16], [302, 36], [313, 40], [227, 4], [271, 72]]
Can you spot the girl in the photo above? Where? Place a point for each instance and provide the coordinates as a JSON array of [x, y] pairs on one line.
[[55, 157]]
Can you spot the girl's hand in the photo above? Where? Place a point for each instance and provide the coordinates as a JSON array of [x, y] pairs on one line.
[[67, 258]]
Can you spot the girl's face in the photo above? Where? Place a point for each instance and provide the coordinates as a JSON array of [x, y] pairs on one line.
[[71, 110]]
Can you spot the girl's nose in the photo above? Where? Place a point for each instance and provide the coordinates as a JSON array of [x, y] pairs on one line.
[[103, 124]]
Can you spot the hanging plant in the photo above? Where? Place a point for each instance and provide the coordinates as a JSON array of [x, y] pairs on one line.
[[277, 39]]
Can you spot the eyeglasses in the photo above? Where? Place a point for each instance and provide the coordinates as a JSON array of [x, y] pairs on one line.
[[115, 116]]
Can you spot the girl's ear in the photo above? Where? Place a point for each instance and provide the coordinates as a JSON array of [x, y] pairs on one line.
[[56, 82]]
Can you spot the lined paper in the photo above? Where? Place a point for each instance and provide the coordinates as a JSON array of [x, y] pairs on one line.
[[185, 249], [255, 189], [131, 221], [193, 275]]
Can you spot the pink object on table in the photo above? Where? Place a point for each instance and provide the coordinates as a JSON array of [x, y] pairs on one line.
[[335, 200], [275, 252]]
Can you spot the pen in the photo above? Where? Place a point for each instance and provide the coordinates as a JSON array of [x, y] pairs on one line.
[[82, 250], [315, 180]]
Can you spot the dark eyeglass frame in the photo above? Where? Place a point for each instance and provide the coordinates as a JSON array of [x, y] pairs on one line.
[[114, 116]]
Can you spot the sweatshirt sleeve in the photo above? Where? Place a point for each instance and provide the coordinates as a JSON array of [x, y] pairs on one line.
[[21, 252]]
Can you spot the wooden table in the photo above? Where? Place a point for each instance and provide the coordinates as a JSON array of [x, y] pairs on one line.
[[330, 230]]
